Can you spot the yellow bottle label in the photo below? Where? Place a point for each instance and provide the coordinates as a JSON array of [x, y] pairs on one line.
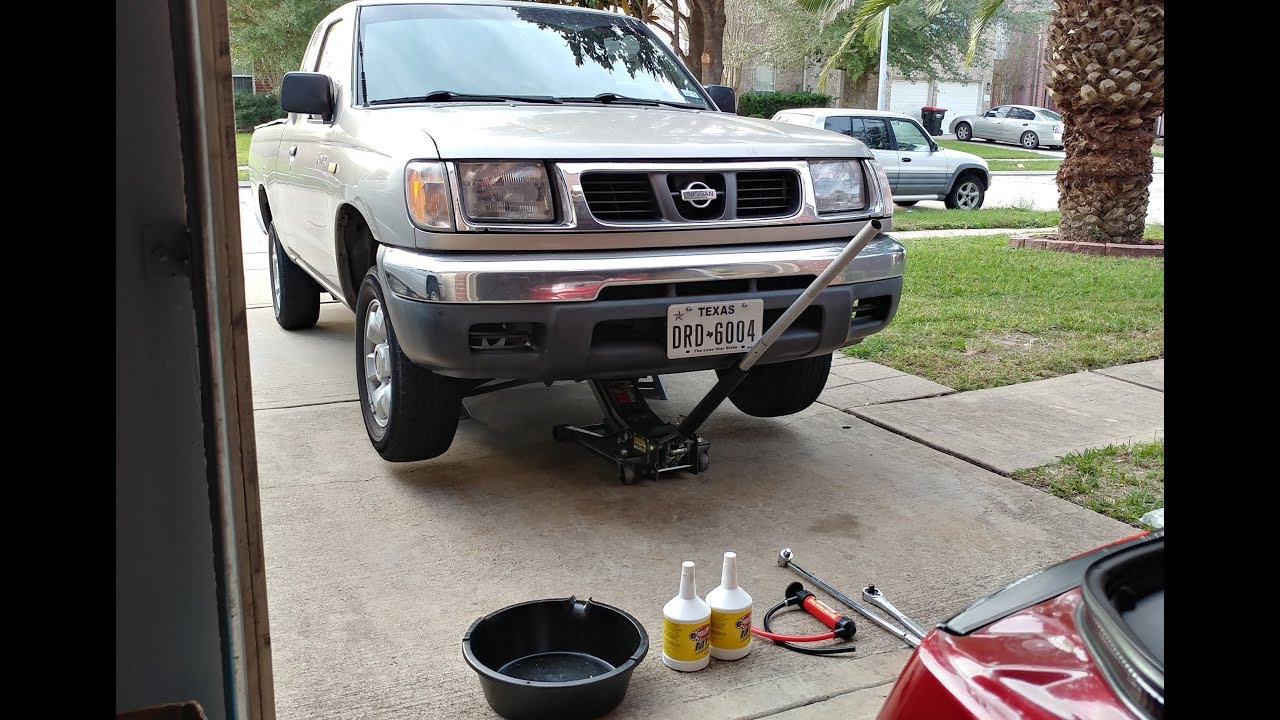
[[730, 630], [685, 641]]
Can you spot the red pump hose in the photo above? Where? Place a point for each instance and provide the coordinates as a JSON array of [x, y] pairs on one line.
[[841, 626]]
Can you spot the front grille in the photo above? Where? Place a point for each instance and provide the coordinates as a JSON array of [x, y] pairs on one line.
[[774, 193], [620, 197], [711, 208], [641, 197]]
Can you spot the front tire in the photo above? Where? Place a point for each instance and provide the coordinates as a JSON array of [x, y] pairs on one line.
[[410, 413], [295, 296], [1030, 140], [964, 132], [783, 388], [966, 194]]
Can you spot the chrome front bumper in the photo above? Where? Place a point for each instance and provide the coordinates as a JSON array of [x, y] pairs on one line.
[[580, 276]]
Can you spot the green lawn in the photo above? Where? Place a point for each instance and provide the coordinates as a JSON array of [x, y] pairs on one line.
[[976, 313], [1157, 150], [989, 151], [242, 148], [919, 218], [1023, 165], [1120, 481]]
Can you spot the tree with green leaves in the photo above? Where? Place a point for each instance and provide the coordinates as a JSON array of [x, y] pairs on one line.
[[920, 45], [271, 36], [1106, 75]]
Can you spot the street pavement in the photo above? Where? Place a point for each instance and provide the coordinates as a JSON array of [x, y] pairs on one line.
[[1040, 192], [375, 570]]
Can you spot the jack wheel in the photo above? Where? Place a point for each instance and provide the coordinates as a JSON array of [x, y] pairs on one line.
[[704, 459], [627, 474]]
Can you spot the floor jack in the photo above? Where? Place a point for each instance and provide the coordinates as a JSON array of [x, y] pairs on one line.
[[643, 445]]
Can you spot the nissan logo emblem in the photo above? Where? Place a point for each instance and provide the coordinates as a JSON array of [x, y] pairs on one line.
[[698, 194]]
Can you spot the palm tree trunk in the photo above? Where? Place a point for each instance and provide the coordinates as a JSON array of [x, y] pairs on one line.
[[1107, 76]]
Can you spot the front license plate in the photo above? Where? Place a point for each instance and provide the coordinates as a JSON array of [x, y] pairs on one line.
[[695, 329]]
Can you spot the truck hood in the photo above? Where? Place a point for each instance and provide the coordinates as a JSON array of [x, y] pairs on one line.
[[584, 132]]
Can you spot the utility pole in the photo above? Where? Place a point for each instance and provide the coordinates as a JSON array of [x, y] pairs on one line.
[[884, 62]]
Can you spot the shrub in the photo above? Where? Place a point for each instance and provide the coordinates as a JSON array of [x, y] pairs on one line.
[[254, 109], [765, 104]]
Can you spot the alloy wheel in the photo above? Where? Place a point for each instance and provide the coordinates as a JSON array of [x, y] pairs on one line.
[[275, 277], [377, 363], [967, 195]]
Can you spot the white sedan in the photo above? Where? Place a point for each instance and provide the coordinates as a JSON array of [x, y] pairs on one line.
[[1028, 126]]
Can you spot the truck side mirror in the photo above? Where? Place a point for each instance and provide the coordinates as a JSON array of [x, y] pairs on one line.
[[307, 94], [724, 97]]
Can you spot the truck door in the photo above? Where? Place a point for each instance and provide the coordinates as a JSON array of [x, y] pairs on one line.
[[315, 157]]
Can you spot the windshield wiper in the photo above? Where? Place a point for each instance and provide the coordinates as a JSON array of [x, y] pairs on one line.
[[451, 96], [609, 98]]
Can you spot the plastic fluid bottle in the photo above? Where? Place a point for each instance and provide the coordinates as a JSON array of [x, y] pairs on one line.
[[730, 614], [686, 626]]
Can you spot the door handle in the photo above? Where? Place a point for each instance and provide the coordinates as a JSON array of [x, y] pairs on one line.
[[293, 151], [906, 159]]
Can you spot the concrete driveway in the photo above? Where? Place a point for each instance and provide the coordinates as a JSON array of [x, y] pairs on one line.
[[375, 570]]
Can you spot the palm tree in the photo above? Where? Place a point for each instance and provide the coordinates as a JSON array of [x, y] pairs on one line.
[[1106, 75]]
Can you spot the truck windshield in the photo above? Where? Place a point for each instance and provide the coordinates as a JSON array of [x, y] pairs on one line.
[[409, 51]]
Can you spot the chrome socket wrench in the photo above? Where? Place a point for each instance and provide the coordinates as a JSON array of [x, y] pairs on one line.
[[784, 560], [872, 594]]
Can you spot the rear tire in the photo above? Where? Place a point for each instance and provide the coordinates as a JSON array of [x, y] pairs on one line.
[[414, 412], [295, 296], [783, 388], [905, 203], [1029, 140], [966, 194], [964, 132]]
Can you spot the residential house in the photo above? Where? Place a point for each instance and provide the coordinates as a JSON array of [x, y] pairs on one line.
[[967, 94]]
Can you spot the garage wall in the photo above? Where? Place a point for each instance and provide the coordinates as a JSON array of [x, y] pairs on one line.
[[168, 643], [908, 97], [959, 98]]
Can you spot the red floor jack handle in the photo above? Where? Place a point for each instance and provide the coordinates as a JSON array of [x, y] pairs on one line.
[[733, 376]]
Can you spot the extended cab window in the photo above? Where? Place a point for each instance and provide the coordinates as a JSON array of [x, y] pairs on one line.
[[872, 132], [413, 50], [335, 61], [838, 124], [909, 136]]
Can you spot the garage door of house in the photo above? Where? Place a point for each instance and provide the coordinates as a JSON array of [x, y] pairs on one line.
[[908, 97], [959, 99]]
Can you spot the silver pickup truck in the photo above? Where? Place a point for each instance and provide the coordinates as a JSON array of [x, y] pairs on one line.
[[506, 191]]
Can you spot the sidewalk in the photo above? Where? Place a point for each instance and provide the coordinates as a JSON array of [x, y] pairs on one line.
[[1012, 427]]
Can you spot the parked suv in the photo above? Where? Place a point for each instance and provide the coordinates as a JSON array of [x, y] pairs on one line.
[[917, 167], [509, 192]]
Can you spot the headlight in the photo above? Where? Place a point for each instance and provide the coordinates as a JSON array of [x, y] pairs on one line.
[[426, 192], [506, 191], [838, 185]]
